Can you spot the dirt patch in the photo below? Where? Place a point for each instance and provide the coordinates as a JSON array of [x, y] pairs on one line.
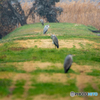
[[97, 46], [17, 48], [47, 43], [6, 75], [47, 97], [23, 76], [81, 68], [28, 83], [59, 78], [3, 56], [27, 86], [82, 79], [12, 98], [6, 98], [38, 30], [31, 66]]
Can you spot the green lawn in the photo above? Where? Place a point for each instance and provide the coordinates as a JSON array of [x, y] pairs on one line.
[[13, 56]]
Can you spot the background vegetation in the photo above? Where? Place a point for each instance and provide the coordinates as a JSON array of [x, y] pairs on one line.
[[81, 12]]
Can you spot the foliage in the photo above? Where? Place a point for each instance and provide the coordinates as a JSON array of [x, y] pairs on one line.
[[11, 15], [85, 12], [47, 9]]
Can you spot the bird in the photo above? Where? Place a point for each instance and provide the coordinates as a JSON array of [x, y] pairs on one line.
[[45, 29], [55, 40], [42, 22], [68, 62]]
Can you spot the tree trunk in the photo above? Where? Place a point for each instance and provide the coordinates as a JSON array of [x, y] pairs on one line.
[[21, 18]]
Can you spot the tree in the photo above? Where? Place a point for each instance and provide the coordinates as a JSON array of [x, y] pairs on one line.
[[47, 9], [11, 13]]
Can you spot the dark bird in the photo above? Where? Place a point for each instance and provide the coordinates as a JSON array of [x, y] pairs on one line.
[[55, 40], [45, 29], [68, 62], [42, 22]]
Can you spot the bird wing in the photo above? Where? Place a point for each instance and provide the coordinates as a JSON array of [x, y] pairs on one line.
[[55, 40], [66, 70], [67, 63], [45, 30]]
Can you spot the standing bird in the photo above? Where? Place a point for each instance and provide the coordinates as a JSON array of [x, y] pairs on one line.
[[55, 40], [68, 62], [45, 29], [42, 22]]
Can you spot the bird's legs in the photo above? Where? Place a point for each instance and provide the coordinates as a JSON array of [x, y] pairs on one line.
[[53, 43], [55, 47]]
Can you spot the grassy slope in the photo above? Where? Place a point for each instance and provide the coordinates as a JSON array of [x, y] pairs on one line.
[[65, 30], [88, 55]]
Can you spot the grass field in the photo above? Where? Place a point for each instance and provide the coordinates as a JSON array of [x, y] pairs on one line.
[[32, 69]]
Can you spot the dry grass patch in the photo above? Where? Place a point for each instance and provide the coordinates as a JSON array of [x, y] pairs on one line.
[[27, 86], [6, 98], [97, 46], [80, 12], [81, 68], [31, 66], [38, 30], [22, 76], [47, 43], [17, 48], [82, 79], [6, 75], [58, 77], [71, 43], [47, 97], [27, 78]]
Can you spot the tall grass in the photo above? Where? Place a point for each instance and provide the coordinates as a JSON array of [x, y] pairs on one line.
[[87, 13]]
